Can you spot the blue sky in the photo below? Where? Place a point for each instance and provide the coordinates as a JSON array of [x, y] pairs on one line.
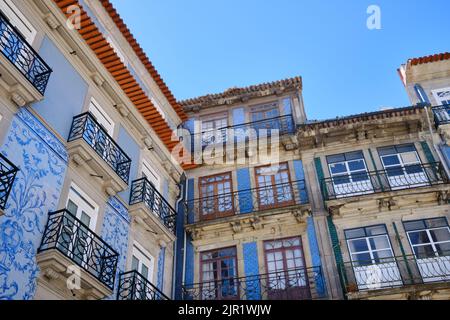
[[208, 46]]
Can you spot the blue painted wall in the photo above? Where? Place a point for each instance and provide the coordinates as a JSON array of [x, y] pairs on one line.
[[244, 193], [132, 149], [251, 268], [115, 231], [300, 175], [190, 198], [65, 94], [42, 161]]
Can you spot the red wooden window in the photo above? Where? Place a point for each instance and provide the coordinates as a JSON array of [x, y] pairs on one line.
[[274, 186], [219, 274], [216, 196], [287, 277]]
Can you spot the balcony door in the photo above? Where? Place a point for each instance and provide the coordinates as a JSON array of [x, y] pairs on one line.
[[373, 262], [214, 130], [216, 198], [259, 115], [153, 178], [76, 238], [143, 263], [287, 277], [403, 167], [18, 20], [349, 177], [218, 273], [274, 186], [430, 241]]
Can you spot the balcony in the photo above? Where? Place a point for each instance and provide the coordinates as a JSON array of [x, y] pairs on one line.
[[441, 115], [387, 180], [133, 286], [24, 72], [389, 277], [90, 145], [67, 241], [8, 172], [243, 132], [294, 284], [257, 200], [147, 203]]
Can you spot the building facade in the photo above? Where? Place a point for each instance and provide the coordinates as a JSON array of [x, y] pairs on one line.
[[89, 187], [111, 189]]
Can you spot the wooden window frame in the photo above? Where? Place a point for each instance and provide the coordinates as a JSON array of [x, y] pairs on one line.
[[216, 214]]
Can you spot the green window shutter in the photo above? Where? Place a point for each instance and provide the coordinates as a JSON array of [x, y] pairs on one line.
[[337, 253], [321, 176], [426, 149]]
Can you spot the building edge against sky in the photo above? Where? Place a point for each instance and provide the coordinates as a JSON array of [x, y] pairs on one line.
[[94, 206]]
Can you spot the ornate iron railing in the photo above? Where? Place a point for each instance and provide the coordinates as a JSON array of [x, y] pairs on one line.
[[134, 286], [441, 115], [394, 272], [68, 235], [143, 191], [293, 284], [390, 179], [84, 126], [247, 201], [242, 132], [17, 50], [8, 172]]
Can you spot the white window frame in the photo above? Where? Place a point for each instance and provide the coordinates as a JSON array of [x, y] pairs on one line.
[[145, 258], [101, 116], [84, 203], [439, 100], [18, 20], [149, 171]]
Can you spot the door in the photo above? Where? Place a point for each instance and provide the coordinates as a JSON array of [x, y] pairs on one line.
[[403, 167], [260, 117], [216, 196], [151, 198], [430, 241], [77, 238], [143, 263], [100, 140], [287, 277], [218, 275], [274, 186], [214, 131], [373, 262], [349, 176]]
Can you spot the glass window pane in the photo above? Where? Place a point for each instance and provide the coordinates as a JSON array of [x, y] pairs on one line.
[[410, 157], [423, 252], [376, 230], [387, 151], [405, 148], [391, 160], [338, 168], [144, 271], [134, 263], [358, 245], [356, 165], [335, 158], [72, 207], [414, 225], [382, 256], [354, 155], [434, 223], [419, 237], [362, 259], [440, 235], [378, 243], [443, 249], [355, 233]]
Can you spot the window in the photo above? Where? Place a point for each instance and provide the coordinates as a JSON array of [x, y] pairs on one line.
[[285, 263], [430, 241], [142, 262], [151, 175], [18, 20], [218, 272], [442, 96], [216, 196], [259, 114], [101, 116], [82, 207], [214, 130], [429, 238], [348, 173], [403, 166], [274, 186], [372, 258]]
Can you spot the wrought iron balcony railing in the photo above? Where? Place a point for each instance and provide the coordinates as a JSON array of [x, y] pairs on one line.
[[68, 235], [242, 132], [247, 201], [85, 127], [134, 286], [389, 179], [395, 272], [8, 172], [17, 50], [142, 191], [441, 115], [293, 284]]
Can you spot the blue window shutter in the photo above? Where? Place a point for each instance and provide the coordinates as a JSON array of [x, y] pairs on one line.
[[421, 94], [315, 256], [299, 176], [189, 271], [321, 177], [244, 192], [238, 116], [190, 201], [251, 268], [287, 106], [190, 126]]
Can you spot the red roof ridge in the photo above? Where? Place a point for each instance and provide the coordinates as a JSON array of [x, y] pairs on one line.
[[429, 59]]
